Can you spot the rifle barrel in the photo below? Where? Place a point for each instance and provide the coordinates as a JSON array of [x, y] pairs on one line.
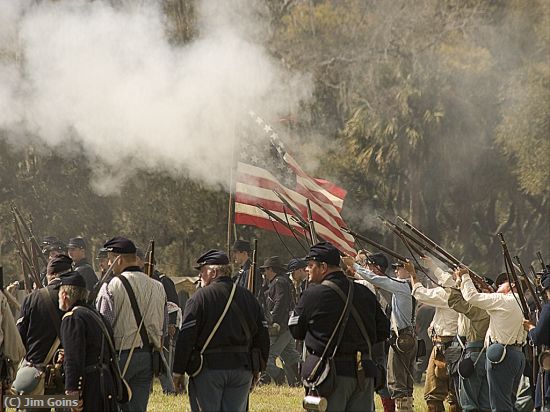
[[510, 269]]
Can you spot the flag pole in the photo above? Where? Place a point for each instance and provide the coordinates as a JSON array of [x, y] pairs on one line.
[[231, 201]]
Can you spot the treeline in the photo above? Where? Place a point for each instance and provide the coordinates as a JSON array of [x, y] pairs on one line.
[[435, 110]]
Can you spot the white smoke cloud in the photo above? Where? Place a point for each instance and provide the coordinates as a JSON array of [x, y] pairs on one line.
[[109, 79]]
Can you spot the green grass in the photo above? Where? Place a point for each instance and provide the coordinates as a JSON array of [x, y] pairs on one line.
[[269, 398]]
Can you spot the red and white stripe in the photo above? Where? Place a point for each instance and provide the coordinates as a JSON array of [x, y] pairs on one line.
[[256, 186]]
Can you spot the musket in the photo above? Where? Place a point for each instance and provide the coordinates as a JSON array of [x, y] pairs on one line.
[[149, 267], [400, 233], [541, 261], [532, 288], [311, 224], [537, 281], [25, 266], [281, 221], [445, 256], [511, 271], [1, 278], [252, 269], [25, 252], [28, 229], [377, 245], [104, 278], [298, 216]]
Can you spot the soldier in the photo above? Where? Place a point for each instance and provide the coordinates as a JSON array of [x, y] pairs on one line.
[[278, 306], [296, 268], [315, 319], [39, 326], [87, 355], [241, 254], [473, 387], [77, 251], [443, 329], [135, 306], [504, 341], [540, 335], [223, 340], [12, 349], [51, 247], [402, 352], [102, 261]]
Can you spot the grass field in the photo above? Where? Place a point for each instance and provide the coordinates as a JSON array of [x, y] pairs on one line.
[[269, 398]]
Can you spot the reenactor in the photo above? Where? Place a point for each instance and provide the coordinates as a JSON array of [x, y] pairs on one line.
[[402, 352], [86, 340], [443, 329], [39, 327], [473, 387], [317, 318], [76, 249], [241, 254], [102, 261], [134, 305], [296, 269], [223, 344], [505, 361], [278, 307], [539, 335]]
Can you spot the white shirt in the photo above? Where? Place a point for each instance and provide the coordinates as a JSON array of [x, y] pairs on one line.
[[445, 321], [506, 317]]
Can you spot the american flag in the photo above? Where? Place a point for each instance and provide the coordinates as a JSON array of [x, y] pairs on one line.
[[262, 173]]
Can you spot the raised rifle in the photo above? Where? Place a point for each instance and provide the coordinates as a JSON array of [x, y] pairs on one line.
[[299, 219], [513, 277], [378, 246], [311, 224], [30, 233], [537, 296], [252, 269], [149, 266], [541, 261], [445, 256], [281, 221]]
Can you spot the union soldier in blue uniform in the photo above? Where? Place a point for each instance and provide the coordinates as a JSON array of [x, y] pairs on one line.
[[77, 251], [316, 316], [232, 355], [540, 335], [88, 361]]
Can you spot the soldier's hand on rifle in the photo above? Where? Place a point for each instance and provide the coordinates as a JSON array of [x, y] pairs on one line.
[[461, 271], [527, 325], [171, 330], [428, 262], [179, 382], [348, 262]]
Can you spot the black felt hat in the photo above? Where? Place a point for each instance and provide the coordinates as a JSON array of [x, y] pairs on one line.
[[379, 259], [59, 264], [324, 252], [241, 245], [76, 242], [71, 279], [212, 257], [295, 264], [120, 245], [273, 262]]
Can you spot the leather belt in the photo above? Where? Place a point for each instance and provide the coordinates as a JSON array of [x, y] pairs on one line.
[[227, 349]]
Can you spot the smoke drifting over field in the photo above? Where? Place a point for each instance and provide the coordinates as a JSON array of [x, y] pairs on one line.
[[86, 75]]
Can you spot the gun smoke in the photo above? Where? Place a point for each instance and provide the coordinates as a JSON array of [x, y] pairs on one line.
[[79, 76]]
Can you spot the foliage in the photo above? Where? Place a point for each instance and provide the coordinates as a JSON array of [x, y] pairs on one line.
[[437, 111]]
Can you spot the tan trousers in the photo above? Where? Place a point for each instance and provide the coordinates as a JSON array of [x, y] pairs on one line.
[[437, 387]]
